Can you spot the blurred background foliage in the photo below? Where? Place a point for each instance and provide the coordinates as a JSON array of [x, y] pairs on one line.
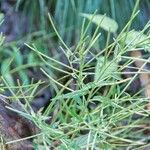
[[66, 14]]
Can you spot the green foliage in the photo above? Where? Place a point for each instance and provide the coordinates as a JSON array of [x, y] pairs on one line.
[[1, 17], [94, 114], [66, 14], [105, 69], [120, 11], [138, 38], [5, 70], [103, 21], [90, 107]]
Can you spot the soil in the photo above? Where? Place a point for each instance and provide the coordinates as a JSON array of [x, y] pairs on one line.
[[15, 127]]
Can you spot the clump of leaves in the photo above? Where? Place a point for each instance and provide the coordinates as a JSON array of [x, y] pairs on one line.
[[92, 109]]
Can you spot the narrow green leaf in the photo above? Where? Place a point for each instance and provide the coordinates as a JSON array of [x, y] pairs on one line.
[[105, 22]]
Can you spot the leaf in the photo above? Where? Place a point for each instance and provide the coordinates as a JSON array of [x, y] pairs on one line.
[[105, 22], [2, 38], [85, 89], [19, 62], [30, 58], [104, 69], [83, 140], [18, 56], [137, 38], [5, 70], [1, 17]]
